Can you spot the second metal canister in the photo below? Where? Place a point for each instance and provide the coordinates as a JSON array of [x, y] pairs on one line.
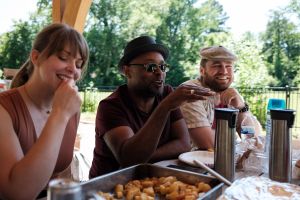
[[225, 142], [280, 159]]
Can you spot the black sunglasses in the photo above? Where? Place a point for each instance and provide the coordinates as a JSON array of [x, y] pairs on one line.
[[152, 67]]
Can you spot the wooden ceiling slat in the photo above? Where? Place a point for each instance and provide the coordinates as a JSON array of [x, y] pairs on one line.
[[71, 12]]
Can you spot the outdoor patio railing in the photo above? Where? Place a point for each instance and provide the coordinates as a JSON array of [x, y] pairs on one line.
[[257, 98]]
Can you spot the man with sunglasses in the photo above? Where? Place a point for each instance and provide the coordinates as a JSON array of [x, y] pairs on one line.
[[216, 73], [141, 121]]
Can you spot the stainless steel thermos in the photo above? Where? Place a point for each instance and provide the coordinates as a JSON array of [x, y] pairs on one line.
[[61, 189], [225, 142], [280, 157]]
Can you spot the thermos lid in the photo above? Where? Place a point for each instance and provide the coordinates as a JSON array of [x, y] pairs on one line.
[[227, 114], [287, 114]]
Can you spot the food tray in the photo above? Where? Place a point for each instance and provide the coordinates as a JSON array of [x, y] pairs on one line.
[[107, 182]]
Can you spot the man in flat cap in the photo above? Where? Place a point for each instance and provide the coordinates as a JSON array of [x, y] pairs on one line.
[[216, 73], [141, 121]]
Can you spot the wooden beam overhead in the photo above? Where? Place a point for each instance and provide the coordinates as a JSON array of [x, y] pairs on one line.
[[71, 12], [58, 7]]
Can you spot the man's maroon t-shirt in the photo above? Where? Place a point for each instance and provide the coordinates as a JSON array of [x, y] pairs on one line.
[[119, 110]]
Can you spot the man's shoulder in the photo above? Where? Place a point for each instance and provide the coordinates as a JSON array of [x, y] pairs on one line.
[[117, 93], [114, 97]]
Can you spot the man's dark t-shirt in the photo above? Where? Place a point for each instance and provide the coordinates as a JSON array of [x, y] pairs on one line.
[[116, 110]]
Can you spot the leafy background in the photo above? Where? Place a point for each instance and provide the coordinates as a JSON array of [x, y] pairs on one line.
[[272, 58]]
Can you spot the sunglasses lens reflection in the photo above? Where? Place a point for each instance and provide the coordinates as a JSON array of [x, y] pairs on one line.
[[153, 67]]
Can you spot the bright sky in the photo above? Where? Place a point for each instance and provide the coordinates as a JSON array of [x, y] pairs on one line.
[[244, 15], [249, 15], [14, 10]]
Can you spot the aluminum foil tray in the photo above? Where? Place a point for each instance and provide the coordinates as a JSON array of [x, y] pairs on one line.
[[107, 182]]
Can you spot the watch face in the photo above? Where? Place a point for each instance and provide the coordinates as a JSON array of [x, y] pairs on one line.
[[245, 108]]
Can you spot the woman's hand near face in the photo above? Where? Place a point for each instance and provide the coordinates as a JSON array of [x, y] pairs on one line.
[[66, 98], [186, 93]]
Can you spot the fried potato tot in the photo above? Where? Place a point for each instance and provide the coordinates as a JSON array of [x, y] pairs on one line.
[[164, 187]]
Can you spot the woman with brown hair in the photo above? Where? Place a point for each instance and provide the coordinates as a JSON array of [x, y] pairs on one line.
[[39, 116]]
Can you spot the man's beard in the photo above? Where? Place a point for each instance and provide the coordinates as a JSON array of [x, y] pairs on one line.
[[148, 92], [214, 85]]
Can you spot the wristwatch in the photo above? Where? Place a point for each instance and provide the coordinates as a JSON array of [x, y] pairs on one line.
[[244, 109]]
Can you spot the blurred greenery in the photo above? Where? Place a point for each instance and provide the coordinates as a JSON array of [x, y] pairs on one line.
[[271, 58], [282, 49]]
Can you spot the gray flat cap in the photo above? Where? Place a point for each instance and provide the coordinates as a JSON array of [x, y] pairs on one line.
[[217, 53]]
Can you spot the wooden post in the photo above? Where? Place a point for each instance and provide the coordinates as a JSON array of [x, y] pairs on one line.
[[58, 7], [71, 12]]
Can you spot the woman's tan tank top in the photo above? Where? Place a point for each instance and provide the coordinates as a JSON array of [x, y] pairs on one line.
[[12, 101]]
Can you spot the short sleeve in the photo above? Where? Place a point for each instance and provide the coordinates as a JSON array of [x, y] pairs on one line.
[[110, 115], [196, 115]]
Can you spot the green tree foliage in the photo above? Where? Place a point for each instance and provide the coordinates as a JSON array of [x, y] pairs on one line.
[[15, 45], [172, 33], [184, 26], [281, 49], [104, 39], [251, 70], [294, 7], [184, 29]]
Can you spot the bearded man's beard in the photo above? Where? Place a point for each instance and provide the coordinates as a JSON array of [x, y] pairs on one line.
[[214, 85]]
